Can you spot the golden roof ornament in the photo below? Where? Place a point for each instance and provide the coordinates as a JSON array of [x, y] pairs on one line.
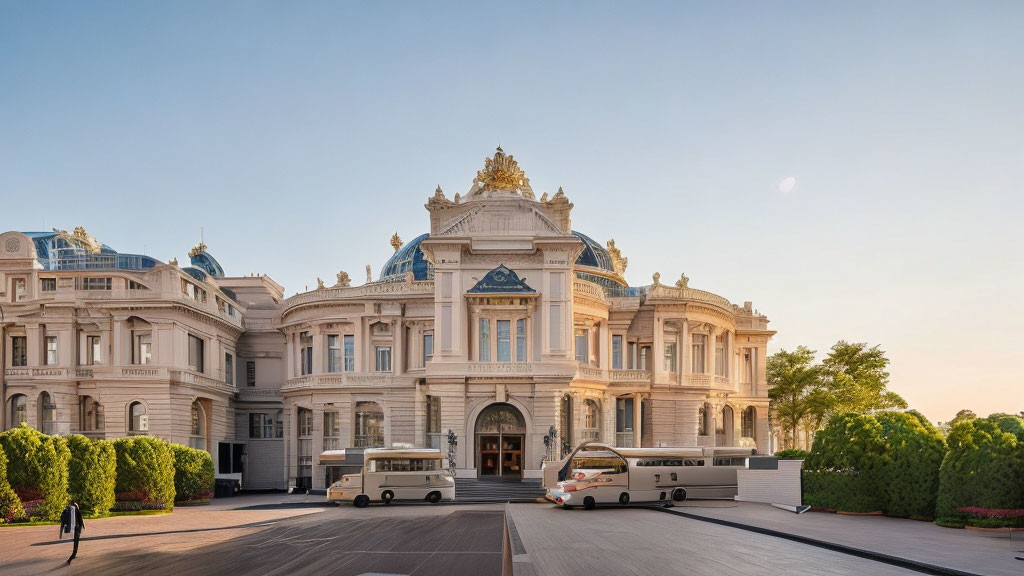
[[657, 278], [501, 172], [396, 242], [79, 237], [319, 283], [683, 281], [173, 262], [618, 262], [343, 280], [197, 249]]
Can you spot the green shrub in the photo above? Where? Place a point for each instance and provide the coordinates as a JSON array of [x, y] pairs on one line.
[[37, 469], [193, 474], [10, 506], [92, 473], [145, 474], [909, 478], [847, 491], [792, 454], [982, 469]]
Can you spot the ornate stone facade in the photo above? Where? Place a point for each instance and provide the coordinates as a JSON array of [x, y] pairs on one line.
[[501, 325]]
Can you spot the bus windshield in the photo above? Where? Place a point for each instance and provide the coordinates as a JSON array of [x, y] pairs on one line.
[[599, 461]]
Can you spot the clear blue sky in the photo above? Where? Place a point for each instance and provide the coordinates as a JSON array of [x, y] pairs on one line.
[[302, 135]]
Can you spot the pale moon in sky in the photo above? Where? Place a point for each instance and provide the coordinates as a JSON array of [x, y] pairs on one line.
[[787, 184]]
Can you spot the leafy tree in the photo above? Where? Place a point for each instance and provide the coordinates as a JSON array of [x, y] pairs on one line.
[[855, 378], [793, 381], [193, 474], [844, 467], [10, 504], [914, 452], [145, 473]]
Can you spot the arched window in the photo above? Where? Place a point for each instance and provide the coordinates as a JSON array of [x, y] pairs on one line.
[[704, 419], [92, 415], [369, 425], [19, 414], [197, 438], [138, 418], [747, 429], [47, 414], [591, 421]]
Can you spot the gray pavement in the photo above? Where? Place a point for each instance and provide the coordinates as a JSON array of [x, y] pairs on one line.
[[968, 551]]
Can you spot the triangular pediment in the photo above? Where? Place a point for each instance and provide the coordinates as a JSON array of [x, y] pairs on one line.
[[499, 219], [501, 280]]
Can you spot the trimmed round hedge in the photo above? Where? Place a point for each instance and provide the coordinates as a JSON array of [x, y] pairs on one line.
[[37, 469], [145, 474], [193, 474], [792, 454], [10, 504], [983, 471], [885, 462], [92, 473]]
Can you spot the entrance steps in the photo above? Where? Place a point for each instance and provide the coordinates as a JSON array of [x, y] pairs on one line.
[[486, 491]]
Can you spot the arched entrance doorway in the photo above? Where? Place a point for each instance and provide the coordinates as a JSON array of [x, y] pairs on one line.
[[500, 438]]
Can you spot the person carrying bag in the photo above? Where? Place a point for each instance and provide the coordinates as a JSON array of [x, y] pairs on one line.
[[71, 522]]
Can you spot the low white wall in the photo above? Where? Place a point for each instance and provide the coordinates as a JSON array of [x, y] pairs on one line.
[[780, 486]]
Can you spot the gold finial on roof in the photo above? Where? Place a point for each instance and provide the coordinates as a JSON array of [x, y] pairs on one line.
[[657, 278], [683, 281], [173, 262], [501, 172], [396, 242], [79, 237], [201, 247]]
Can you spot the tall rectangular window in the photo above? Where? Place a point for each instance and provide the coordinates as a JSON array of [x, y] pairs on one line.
[[555, 317], [616, 352], [305, 353], [428, 347], [433, 426], [142, 348], [333, 354], [504, 341], [47, 284], [51, 350], [521, 340], [485, 340], [229, 369], [383, 358], [670, 357], [349, 342], [195, 353], [720, 364], [250, 373], [19, 351], [18, 290], [698, 356], [332, 431], [749, 365], [93, 350], [581, 345]]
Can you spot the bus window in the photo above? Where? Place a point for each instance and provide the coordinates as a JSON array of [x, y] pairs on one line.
[[403, 464], [693, 462], [674, 477], [659, 462], [730, 461], [612, 464]]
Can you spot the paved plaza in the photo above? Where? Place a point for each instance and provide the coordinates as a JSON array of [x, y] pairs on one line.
[[279, 534]]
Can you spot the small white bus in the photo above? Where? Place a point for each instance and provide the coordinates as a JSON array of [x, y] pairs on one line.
[[595, 474], [396, 474]]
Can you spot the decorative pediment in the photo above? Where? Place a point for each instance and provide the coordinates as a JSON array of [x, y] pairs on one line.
[[499, 219], [501, 280]]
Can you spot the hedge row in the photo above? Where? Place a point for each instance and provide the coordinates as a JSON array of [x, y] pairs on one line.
[[885, 462], [40, 474], [792, 454], [982, 478]]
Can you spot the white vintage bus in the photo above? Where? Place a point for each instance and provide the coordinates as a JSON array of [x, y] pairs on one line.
[[396, 474], [595, 474]]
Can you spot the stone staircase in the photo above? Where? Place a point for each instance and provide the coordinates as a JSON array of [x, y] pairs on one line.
[[470, 490]]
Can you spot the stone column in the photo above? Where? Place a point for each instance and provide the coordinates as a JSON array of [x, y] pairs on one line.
[[685, 349], [709, 351], [658, 349], [604, 347], [398, 352]]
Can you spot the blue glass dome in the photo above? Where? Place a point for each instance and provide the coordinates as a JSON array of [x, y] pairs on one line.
[[408, 257], [593, 255]]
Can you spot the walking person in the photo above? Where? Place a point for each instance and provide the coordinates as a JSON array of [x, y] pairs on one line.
[[71, 522]]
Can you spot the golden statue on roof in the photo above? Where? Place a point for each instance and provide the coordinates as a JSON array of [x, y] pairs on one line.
[[201, 247], [396, 242], [82, 239], [619, 262], [501, 172]]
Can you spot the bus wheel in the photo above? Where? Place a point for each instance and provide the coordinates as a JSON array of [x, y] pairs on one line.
[[624, 498], [361, 501], [678, 495], [387, 496], [589, 503], [434, 497]]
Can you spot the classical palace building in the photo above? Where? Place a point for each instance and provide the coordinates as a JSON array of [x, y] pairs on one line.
[[501, 328]]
